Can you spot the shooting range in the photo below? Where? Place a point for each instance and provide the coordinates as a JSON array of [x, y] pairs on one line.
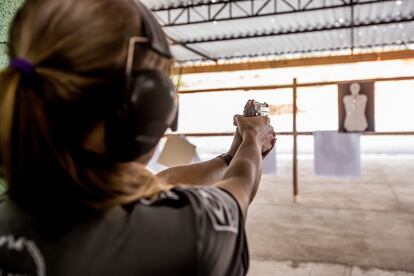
[[337, 193]]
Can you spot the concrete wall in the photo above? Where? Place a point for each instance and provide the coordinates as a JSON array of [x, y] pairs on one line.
[[7, 11]]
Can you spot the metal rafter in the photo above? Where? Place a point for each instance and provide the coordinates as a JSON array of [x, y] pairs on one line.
[[302, 52], [299, 31], [198, 13], [197, 52]]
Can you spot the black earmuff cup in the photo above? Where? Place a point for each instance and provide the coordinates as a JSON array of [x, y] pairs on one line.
[[142, 119]]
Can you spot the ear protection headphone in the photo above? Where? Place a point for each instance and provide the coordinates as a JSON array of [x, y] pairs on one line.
[[149, 105]]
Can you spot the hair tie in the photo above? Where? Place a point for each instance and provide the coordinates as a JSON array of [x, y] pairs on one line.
[[22, 65]]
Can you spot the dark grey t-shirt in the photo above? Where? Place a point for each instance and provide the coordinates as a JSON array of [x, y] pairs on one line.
[[188, 231]]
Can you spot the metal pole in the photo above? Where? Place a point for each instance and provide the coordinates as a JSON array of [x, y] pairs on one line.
[[295, 146], [352, 28]]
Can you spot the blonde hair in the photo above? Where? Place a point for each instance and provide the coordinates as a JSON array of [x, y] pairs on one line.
[[78, 50]]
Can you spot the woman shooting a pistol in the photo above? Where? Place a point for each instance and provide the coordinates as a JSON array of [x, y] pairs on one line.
[[83, 103]]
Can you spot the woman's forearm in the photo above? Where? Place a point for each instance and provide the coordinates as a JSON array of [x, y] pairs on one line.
[[247, 162], [243, 175], [203, 173]]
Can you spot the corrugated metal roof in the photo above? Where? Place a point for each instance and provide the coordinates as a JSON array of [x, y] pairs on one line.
[[283, 27]]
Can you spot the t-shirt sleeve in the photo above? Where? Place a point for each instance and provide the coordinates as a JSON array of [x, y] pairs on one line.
[[221, 244]]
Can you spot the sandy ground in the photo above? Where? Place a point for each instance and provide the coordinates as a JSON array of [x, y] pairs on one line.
[[361, 226]]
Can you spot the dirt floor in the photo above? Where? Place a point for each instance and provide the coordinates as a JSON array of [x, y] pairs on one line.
[[361, 226]]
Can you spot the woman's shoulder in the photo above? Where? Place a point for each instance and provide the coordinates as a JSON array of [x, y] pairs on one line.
[[220, 231], [198, 203]]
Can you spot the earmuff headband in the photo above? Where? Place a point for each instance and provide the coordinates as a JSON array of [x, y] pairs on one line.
[[149, 104]]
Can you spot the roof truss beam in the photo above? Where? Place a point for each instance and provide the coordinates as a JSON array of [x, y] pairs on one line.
[[402, 45], [327, 50], [220, 10], [299, 31], [191, 49]]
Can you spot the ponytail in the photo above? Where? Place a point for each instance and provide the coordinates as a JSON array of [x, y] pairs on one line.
[[9, 82], [27, 147]]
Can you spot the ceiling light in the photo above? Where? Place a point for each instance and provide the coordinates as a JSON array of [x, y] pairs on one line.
[[398, 3]]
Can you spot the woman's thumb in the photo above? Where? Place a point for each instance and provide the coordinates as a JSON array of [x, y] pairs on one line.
[[236, 119]]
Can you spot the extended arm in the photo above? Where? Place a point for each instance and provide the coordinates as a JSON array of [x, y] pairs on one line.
[[243, 175], [204, 173]]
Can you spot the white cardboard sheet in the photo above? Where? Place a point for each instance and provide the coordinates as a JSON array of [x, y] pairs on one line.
[[337, 154], [177, 151], [269, 163]]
